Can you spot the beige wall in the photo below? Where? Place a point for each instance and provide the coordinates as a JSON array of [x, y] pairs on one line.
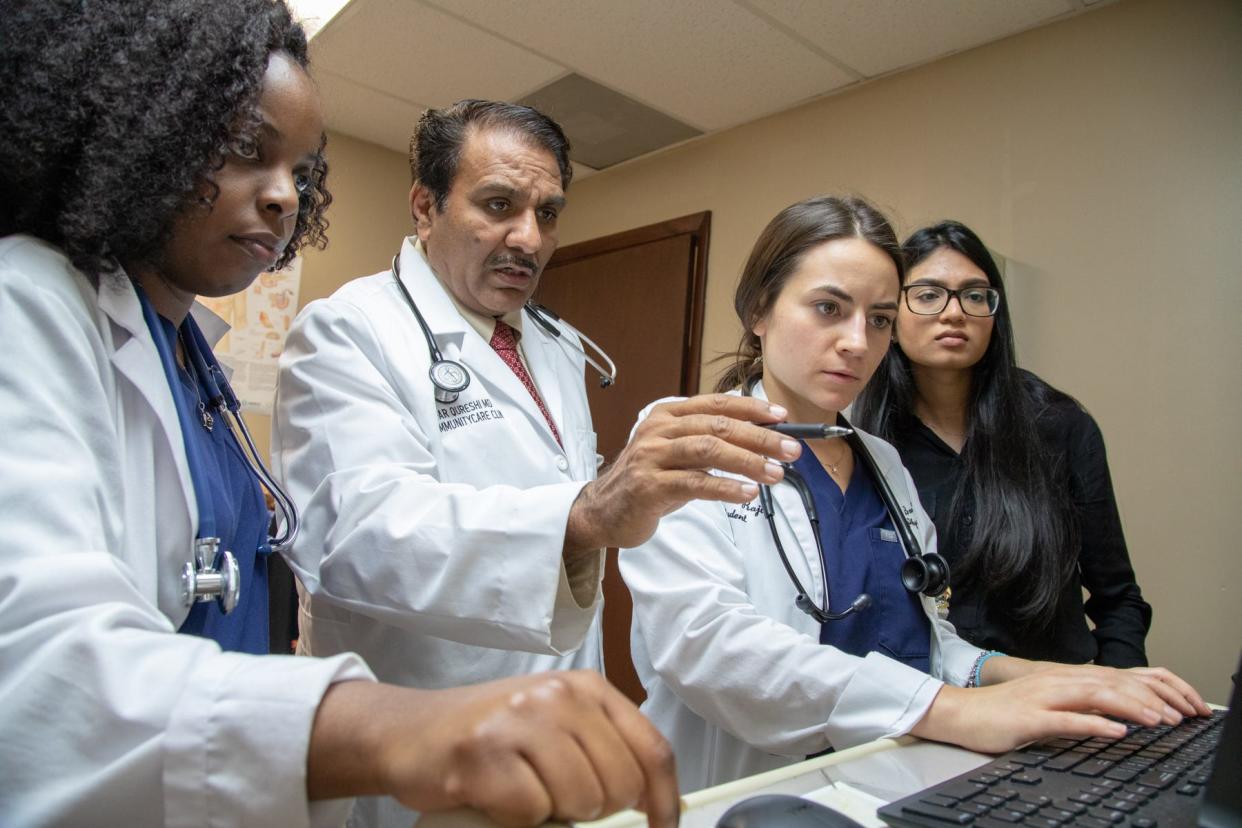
[[1103, 157], [1100, 156], [368, 217]]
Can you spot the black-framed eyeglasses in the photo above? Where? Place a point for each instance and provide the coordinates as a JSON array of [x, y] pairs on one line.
[[929, 300]]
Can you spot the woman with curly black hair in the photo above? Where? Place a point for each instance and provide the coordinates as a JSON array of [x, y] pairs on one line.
[[151, 153]]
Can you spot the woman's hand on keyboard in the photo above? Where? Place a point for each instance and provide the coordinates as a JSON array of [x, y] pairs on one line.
[[1034, 700]]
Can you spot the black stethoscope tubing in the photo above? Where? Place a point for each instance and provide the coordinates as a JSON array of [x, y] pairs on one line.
[[450, 378], [922, 573]]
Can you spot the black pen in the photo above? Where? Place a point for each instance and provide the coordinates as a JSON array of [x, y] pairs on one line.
[[809, 431]]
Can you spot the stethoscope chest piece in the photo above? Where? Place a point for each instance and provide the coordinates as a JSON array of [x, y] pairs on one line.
[[449, 378], [221, 581]]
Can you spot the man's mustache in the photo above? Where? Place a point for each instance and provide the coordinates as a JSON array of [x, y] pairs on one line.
[[510, 260]]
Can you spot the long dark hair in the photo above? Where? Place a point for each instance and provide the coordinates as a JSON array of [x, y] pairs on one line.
[[114, 114], [1023, 543], [776, 255]]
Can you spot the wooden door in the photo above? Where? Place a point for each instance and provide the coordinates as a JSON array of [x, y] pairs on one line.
[[639, 295]]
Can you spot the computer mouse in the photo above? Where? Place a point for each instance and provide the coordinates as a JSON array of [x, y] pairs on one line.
[[771, 810]]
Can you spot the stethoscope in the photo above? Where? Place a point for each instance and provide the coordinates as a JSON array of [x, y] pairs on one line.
[[212, 573], [450, 378], [920, 573]]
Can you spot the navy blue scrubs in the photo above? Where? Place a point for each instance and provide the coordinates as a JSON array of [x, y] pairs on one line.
[[241, 517], [862, 554]]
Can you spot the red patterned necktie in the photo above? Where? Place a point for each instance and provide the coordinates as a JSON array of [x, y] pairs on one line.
[[505, 344]]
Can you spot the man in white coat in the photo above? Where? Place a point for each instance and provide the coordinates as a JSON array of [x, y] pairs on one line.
[[455, 542]]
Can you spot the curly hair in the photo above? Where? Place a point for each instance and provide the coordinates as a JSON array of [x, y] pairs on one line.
[[115, 113]]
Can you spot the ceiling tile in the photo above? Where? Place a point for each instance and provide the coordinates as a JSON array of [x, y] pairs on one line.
[[708, 63], [878, 36], [366, 113], [416, 53]]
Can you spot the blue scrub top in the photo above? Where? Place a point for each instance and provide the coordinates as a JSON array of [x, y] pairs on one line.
[[240, 511], [862, 554]]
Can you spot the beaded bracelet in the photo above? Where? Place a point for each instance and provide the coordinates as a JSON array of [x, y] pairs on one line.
[[976, 672]]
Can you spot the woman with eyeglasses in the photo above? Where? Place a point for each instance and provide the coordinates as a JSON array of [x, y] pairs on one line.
[[751, 632], [1012, 471]]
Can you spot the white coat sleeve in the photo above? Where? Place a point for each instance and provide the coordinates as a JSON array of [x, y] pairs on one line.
[[381, 535], [108, 717], [768, 684]]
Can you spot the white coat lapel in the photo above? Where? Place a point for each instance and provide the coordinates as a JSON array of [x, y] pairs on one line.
[[138, 362]]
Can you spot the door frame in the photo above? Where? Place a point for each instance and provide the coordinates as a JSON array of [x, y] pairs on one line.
[[698, 227]]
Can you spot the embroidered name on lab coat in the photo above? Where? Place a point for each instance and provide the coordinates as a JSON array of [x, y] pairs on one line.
[[468, 413], [752, 507]]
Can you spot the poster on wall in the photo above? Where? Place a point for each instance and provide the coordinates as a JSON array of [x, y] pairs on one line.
[[259, 318]]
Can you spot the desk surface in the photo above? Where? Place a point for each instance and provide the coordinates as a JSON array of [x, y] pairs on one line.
[[854, 781]]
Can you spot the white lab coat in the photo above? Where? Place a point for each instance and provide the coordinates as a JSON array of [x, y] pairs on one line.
[[736, 678], [108, 717], [432, 534]]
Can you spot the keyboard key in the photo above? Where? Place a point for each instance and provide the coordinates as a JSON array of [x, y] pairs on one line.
[[1091, 822], [1026, 778], [1092, 767], [1027, 759], [971, 806], [1188, 789], [1022, 807], [937, 813], [1122, 774], [1065, 761], [1158, 779], [1036, 799], [989, 800], [984, 779], [1004, 793], [1143, 822], [961, 790], [941, 800], [1120, 805], [1040, 822], [1058, 814], [1007, 815], [1072, 807], [1108, 784], [1114, 817], [1086, 798]]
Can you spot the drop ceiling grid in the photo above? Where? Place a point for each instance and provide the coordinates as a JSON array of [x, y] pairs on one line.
[[416, 53], [709, 63], [366, 113], [879, 36]]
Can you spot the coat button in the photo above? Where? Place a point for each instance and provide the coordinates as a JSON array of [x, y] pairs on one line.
[[562, 463], [968, 519]]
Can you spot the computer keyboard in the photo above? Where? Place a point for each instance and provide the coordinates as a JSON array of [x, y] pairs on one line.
[[1149, 778]]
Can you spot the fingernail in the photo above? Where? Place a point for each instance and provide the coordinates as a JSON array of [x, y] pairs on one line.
[[773, 470], [777, 410], [789, 446], [1153, 716], [750, 490], [1172, 713]]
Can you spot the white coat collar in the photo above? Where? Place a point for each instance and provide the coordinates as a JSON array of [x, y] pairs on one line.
[[136, 359], [458, 340]]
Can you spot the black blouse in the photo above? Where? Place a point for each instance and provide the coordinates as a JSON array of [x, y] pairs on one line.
[[1116, 607]]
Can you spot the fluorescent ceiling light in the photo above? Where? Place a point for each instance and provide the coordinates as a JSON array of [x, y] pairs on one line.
[[315, 14]]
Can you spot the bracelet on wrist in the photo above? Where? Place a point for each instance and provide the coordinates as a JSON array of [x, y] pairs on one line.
[[976, 672]]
